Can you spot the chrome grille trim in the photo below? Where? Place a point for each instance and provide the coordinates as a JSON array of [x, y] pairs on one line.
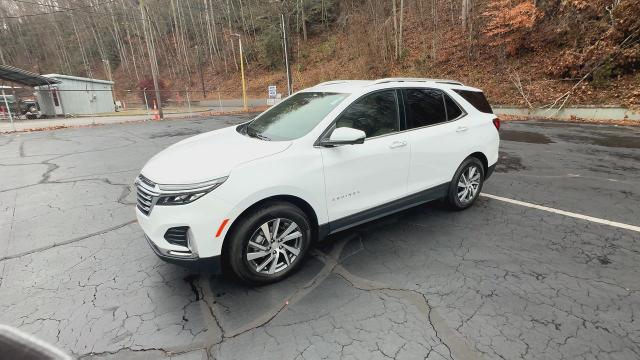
[[146, 194]]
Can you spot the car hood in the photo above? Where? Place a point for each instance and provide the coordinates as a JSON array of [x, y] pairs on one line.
[[208, 156]]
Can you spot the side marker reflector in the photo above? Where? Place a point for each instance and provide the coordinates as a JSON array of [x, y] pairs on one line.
[[221, 228]]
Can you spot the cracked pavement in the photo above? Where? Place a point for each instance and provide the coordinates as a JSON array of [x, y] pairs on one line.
[[498, 281]]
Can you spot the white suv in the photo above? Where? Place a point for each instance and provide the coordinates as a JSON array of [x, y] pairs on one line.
[[254, 197]]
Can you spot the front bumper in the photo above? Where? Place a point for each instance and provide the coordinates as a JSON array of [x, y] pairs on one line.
[[211, 264], [208, 219]]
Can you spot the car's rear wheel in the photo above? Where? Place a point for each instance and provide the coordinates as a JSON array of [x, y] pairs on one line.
[[269, 243], [466, 184]]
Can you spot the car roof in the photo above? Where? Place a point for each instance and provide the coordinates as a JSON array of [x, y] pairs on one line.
[[359, 86]]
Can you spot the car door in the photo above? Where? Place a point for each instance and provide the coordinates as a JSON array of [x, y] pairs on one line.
[[362, 176], [436, 131]]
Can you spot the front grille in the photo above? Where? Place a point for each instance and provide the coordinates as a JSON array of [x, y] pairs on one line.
[[177, 236], [146, 194]]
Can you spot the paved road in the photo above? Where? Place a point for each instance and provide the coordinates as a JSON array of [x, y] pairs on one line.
[[498, 281], [56, 123]]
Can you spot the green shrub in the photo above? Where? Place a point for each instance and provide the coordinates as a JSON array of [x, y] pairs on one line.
[[315, 15], [269, 44]]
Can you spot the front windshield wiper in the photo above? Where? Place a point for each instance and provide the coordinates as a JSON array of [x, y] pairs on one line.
[[254, 134]]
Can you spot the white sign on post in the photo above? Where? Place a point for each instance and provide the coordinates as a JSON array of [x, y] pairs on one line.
[[272, 91], [272, 95]]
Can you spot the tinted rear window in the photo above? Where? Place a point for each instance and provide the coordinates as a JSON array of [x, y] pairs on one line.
[[424, 107], [453, 111], [477, 99]]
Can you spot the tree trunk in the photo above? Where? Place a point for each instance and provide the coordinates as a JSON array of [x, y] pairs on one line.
[[304, 21], [434, 32], [466, 9], [400, 48], [395, 30]]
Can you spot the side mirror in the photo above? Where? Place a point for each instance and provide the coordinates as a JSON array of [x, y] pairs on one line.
[[344, 136]]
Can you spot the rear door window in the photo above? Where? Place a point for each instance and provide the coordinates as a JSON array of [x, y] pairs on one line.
[[425, 107], [453, 110], [477, 99]]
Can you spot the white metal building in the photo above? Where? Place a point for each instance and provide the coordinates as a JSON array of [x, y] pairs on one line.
[[75, 96]]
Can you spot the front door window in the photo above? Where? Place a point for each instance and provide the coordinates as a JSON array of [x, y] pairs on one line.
[[375, 114]]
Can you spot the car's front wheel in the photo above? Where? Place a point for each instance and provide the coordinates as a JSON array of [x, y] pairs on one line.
[[269, 243], [466, 184]]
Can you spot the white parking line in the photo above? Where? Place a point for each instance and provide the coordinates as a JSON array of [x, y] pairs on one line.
[[565, 213]]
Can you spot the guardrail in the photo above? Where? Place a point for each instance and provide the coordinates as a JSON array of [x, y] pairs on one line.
[[598, 113]]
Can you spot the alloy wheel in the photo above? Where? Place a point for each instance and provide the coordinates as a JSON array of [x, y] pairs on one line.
[[468, 184], [274, 246]]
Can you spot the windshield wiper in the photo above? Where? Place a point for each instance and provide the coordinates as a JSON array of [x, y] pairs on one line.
[[254, 134], [262, 137]]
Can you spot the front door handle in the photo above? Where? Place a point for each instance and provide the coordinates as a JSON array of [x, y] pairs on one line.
[[462, 129], [397, 144]]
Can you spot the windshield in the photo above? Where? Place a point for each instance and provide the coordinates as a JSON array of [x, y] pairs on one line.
[[294, 117]]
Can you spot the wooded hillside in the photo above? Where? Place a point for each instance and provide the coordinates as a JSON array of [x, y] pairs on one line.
[[528, 52]]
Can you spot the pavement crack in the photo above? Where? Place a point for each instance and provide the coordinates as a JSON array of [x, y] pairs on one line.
[[330, 262], [66, 242], [191, 279], [451, 339]]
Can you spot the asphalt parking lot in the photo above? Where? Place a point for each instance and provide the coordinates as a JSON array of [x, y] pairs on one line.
[[501, 280]]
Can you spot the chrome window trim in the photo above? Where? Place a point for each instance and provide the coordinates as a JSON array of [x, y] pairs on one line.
[[464, 114]]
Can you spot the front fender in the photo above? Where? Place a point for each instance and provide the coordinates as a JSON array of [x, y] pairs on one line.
[[295, 172]]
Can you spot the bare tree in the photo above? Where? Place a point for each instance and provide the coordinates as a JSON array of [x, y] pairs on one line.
[[396, 44]]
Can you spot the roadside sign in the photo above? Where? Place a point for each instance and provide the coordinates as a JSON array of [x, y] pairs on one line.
[[272, 91]]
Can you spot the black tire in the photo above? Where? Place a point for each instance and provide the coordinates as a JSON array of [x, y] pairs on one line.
[[453, 199], [250, 228]]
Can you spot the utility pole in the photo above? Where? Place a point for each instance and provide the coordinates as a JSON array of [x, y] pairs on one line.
[[107, 67], [6, 104], [285, 40], [200, 67], [152, 57]]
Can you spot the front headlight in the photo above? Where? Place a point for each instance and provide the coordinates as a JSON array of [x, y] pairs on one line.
[[185, 194]]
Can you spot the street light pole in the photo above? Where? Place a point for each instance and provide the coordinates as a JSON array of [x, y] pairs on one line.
[[245, 105]]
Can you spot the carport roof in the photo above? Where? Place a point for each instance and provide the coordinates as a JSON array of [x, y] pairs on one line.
[[24, 77]]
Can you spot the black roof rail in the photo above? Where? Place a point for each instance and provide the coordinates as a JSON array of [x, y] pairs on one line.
[[402, 79]]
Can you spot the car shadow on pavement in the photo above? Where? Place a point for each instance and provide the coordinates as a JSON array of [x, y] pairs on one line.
[[239, 307]]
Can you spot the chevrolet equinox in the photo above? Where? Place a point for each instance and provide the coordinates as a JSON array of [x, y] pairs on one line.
[[254, 197]]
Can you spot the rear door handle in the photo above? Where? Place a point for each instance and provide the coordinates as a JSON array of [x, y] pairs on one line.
[[397, 144], [462, 129]]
